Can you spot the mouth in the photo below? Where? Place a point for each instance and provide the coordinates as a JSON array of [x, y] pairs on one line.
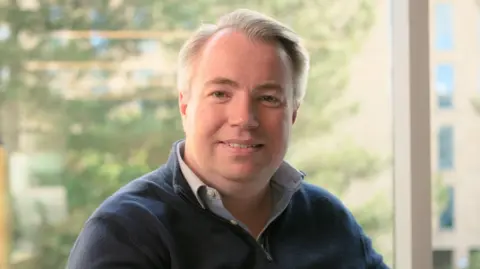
[[241, 145]]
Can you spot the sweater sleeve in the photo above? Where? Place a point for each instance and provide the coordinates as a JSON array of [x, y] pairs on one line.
[[105, 244], [373, 259]]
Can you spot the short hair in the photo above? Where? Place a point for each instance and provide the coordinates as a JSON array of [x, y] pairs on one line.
[[254, 25]]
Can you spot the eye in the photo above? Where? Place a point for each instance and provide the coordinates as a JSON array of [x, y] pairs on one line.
[[221, 95], [270, 99]]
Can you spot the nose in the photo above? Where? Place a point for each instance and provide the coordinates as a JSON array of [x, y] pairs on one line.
[[243, 112]]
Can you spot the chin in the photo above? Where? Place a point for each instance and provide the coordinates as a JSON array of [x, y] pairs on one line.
[[240, 173]]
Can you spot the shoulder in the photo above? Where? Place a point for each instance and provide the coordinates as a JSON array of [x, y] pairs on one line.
[[125, 228], [316, 196], [324, 205], [140, 201], [326, 210]]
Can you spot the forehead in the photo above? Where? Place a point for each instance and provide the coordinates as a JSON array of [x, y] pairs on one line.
[[234, 55]]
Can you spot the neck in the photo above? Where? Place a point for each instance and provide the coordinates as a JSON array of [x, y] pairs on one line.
[[250, 202], [247, 202], [253, 210]]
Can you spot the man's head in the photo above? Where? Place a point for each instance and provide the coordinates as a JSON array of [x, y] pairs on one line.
[[240, 84]]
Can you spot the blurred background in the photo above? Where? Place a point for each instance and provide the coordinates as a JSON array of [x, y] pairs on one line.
[[88, 103]]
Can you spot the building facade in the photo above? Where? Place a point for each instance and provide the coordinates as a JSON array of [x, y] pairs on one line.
[[455, 123]]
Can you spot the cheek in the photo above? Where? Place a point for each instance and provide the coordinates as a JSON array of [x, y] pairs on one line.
[[207, 119], [277, 124], [280, 116]]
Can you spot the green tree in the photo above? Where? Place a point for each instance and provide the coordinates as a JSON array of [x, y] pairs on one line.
[[104, 147], [103, 143], [339, 36]]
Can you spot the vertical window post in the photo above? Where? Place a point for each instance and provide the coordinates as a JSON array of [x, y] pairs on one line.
[[411, 102]]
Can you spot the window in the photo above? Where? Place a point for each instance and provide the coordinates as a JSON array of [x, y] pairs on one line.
[[4, 74], [445, 148], [4, 32], [54, 81], [98, 42], [444, 85], [98, 19], [328, 146], [442, 259], [99, 81], [55, 13], [57, 42], [148, 46], [142, 77], [443, 26], [474, 258], [46, 168], [142, 17], [447, 217]]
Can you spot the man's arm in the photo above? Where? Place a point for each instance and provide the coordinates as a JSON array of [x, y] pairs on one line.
[[373, 259], [105, 244]]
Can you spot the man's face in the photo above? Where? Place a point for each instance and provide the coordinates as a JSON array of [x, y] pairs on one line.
[[239, 111]]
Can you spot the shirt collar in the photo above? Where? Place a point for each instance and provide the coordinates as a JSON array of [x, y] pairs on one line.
[[286, 177], [192, 179]]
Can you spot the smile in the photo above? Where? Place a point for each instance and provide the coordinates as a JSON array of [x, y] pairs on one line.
[[243, 146], [240, 147]]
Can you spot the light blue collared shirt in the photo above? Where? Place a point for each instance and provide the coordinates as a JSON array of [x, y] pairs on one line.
[[285, 182]]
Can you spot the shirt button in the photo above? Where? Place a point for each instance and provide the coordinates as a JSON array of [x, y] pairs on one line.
[[211, 193], [233, 222]]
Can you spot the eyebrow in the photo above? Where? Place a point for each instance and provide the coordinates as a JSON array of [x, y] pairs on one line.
[[221, 81], [269, 85]]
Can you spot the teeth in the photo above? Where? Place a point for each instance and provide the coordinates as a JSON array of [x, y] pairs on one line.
[[243, 146]]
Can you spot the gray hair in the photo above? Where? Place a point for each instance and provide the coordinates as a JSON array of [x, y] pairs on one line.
[[254, 25]]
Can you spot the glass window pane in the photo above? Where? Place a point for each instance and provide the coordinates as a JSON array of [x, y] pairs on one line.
[[445, 84], [444, 26], [446, 151], [447, 219], [95, 106]]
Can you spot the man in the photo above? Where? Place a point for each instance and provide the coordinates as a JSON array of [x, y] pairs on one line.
[[226, 198]]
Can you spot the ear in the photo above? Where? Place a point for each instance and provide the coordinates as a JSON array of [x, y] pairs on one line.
[[294, 116], [182, 104]]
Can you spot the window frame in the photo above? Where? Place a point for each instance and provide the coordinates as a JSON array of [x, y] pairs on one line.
[[412, 134]]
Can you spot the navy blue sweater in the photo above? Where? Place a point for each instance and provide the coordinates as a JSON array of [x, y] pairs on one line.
[[155, 222]]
